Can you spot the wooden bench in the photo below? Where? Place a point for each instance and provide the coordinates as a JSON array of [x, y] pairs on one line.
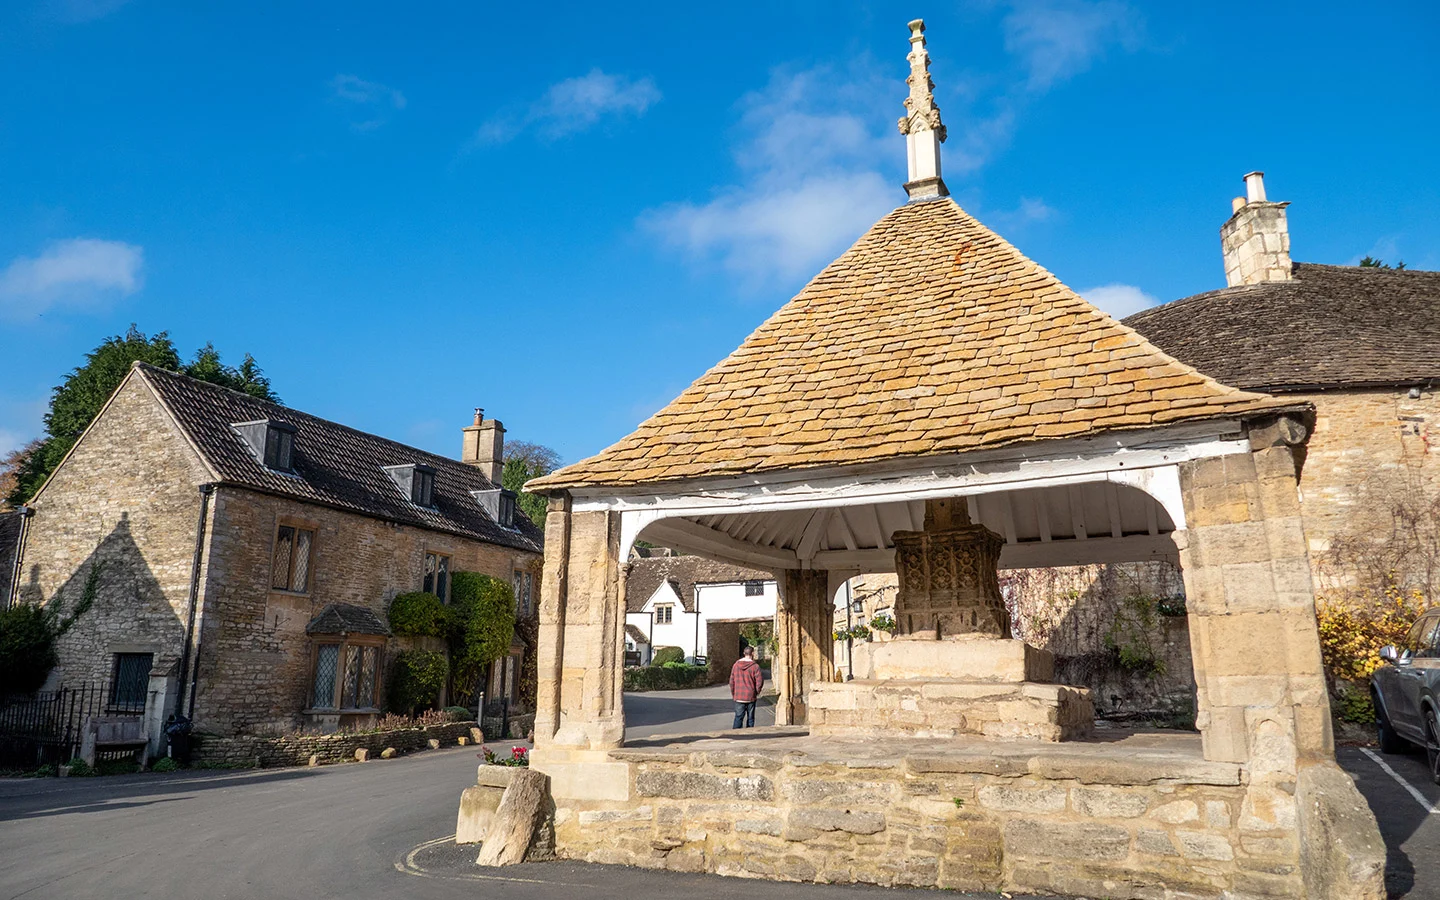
[[104, 733]]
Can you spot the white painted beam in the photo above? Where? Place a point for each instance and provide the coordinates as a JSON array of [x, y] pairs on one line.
[[697, 537], [1029, 555], [814, 534]]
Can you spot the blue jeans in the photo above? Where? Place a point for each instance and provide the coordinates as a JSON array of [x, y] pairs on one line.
[[744, 714]]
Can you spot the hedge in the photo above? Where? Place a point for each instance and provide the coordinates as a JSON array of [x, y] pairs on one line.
[[669, 677], [418, 614], [416, 679], [663, 655]]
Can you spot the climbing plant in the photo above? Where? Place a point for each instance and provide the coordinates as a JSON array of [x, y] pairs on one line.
[[482, 624]]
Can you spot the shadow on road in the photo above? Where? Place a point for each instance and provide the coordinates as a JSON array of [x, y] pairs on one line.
[[1409, 829]]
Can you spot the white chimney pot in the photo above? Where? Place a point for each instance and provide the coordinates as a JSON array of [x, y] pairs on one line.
[[1255, 187]]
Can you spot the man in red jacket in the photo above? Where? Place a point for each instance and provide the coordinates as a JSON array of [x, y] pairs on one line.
[[746, 680]]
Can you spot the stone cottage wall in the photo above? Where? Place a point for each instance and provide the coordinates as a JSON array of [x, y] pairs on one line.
[[126, 498], [1364, 441], [255, 661], [297, 749]]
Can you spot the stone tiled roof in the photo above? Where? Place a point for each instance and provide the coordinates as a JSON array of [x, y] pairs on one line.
[[644, 576], [345, 618], [930, 335], [636, 634], [1328, 327], [334, 465]]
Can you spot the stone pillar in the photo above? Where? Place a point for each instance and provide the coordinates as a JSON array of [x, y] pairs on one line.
[[1260, 684], [581, 651], [804, 629]]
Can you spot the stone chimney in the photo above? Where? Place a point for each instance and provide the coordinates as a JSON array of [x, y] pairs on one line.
[[1256, 240], [484, 446], [921, 125]]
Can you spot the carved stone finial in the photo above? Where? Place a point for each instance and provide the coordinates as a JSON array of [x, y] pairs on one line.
[[921, 113]]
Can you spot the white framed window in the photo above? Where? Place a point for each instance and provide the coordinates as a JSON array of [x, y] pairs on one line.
[[664, 613]]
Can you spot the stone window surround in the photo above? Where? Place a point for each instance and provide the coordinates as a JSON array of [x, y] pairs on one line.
[[344, 641], [299, 524], [664, 613]]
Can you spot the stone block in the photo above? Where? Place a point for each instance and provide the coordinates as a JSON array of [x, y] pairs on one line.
[[699, 786], [1037, 798], [1062, 840], [971, 657], [1155, 843], [361, 754], [846, 820], [477, 810], [1204, 845], [388, 753], [1108, 803], [433, 743], [1176, 812]]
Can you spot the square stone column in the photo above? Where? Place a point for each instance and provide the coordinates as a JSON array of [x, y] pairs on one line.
[[804, 637], [1259, 679], [580, 658]]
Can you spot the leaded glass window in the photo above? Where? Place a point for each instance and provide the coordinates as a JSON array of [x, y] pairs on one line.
[[327, 658], [290, 570]]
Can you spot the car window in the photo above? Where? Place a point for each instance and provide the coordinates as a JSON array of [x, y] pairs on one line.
[[1419, 638], [1428, 640]]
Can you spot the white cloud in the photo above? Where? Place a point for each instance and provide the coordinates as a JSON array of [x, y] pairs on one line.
[[374, 101], [74, 272], [1119, 300], [1057, 39], [812, 179], [574, 105]]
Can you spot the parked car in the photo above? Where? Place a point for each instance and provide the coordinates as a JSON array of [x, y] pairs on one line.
[[1406, 692]]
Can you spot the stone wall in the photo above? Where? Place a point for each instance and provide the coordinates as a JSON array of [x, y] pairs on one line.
[[296, 749], [127, 499], [255, 657], [1364, 442], [1121, 828]]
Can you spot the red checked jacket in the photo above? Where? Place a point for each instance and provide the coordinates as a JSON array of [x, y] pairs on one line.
[[746, 679]]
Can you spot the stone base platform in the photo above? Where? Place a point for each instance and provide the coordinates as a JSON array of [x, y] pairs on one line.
[[950, 708], [1139, 816]]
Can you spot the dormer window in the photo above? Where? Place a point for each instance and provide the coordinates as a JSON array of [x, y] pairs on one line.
[[415, 481], [271, 442], [499, 505]]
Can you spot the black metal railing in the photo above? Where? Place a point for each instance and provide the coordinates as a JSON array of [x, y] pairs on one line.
[[47, 727]]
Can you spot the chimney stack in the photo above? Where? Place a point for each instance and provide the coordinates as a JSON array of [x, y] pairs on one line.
[[1256, 240], [484, 446], [921, 125]]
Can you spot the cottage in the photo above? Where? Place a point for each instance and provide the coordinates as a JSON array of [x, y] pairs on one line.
[[673, 601], [233, 559], [935, 404], [1361, 344]]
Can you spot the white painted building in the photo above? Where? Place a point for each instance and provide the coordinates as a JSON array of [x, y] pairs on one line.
[[670, 600]]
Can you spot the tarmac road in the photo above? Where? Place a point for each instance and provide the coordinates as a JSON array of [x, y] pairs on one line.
[[379, 829]]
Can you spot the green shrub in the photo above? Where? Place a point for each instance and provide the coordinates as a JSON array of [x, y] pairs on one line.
[[79, 768], [666, 677], [27, 649], [458, 714], [418, 614], [484, 621], [1354, 705], [663, 655], [416, 679], [165, 764]]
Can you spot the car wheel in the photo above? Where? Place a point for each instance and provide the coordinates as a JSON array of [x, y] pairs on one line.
[[1432, 744], [1389, 741]]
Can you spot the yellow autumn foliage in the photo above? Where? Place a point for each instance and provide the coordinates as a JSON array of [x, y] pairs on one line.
[[1354, 626]]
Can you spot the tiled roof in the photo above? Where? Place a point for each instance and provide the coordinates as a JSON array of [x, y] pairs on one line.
[[1328, 327], [334, 465], [636, 634], [930, 335], [344, 618], [644, 576]]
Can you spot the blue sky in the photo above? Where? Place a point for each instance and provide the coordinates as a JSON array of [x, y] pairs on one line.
[[408, 210]]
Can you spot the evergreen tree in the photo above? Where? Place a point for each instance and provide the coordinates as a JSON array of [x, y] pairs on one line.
[[75, 403], [524, 461]]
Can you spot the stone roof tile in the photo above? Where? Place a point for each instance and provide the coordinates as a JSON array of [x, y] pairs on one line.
[[928, 303]]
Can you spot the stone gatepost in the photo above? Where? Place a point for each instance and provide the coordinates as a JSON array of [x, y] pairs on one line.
[[580, 713], [805, 650]]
